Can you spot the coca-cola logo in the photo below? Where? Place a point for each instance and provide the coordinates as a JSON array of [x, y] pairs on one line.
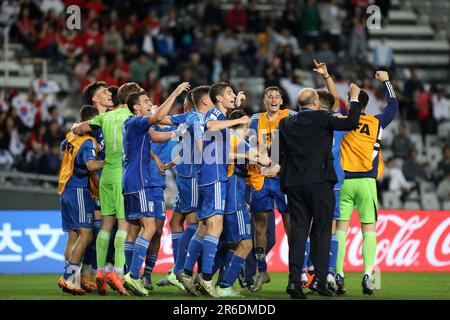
[[435, 251]]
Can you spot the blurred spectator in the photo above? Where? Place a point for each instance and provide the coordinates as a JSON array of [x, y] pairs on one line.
[[287, 39], [430, 175], [122, 67], [198, 69], [112, 41], [383, 55], [412, 169], [140, 67], [93, 39], [325, 55], [310, 22], [213, 15], [165, 43], [443, 190], [25, 26], [291, 16], [411, 85], [441, 106], [307, 57], [254, 17], [358, 42], [402, 145], [56, 5], [131, 43], [9, 11], [395, 181], [70, 45], [443, 168], [82, 67], [331, 22], [424, 113], [36, 148], [237, 18]]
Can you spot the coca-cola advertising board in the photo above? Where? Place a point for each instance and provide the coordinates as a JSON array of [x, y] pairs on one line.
[[406, 241]]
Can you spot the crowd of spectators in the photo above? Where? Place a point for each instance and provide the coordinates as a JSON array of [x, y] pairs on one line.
[[201, 42]]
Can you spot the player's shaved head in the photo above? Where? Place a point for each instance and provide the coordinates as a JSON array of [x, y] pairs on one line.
[[126, 89], [198, 93], [88, 112], [326, 99], [306, 97]]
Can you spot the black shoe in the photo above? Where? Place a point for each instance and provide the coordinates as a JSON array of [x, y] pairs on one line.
[[320, 288], [295, 291], [367, 286], [340, 284]]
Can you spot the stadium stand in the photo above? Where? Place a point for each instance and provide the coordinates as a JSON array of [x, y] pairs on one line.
[[256, 43]]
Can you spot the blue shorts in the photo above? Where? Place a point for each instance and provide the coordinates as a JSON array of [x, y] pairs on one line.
[[187, 195], [97, 206], [139, 204], [237, 226], [211, 199], [77, 209], [270, 195], [236, 190], [337, 212], [159, 204]]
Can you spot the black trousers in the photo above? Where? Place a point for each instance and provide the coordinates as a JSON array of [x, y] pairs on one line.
[[310, 202]]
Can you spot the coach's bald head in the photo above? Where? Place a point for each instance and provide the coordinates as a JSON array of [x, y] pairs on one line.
[[308, 98]]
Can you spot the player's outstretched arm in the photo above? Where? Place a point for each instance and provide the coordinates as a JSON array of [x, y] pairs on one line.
[[164, 109], [215, 125], [321, 68], [82, 127], [352, 120], [391, 109], [94, 165], [158, 136]]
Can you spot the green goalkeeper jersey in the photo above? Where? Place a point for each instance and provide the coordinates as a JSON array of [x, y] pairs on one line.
[[111, 124]]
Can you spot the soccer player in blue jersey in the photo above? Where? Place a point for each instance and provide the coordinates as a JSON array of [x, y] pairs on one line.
[[237, 231], [212, 188], [158, 164], [187, 171], [138, 198], [77, 206]]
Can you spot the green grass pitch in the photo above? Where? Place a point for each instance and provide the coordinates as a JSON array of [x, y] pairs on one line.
[[394, 286]]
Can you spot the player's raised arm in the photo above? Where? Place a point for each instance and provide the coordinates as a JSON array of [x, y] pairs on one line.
[[352, 120], [321, 68], [164, 109], [391, 109], [94, 165], [82, 127], [215, 125]]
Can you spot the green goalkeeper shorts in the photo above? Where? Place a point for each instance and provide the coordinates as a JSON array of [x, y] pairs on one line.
[[362, 194], [112, 200]]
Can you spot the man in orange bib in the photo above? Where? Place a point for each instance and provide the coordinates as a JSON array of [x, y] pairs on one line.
[[77, 205]]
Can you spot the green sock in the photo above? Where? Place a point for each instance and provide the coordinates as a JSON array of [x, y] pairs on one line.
[[119, 244], [102, 248], [369, 250], [341, 236]]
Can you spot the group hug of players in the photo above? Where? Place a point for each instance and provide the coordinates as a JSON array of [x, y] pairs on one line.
[[112, 182]]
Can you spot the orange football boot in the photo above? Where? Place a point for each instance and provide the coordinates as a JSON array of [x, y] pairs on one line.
[[116, 283], [100, 280]]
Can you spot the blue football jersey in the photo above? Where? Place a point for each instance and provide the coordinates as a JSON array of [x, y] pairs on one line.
[[190, 156], [79, 178], [164, 152], [214, 156], [136, 154], [336, 150], [179, 118]]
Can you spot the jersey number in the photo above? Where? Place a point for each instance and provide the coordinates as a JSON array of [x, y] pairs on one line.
[[70, 148]]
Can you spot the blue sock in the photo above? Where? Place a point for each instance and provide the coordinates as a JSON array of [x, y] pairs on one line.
[[233, 270], [225, 265], [150, 262], [70, 270], [139, 254], [209, 252], [262, 265], [175, 243], [183, 245], [194, 250], [219, 259], [128, 248], [97, 227], [333, 255], [305, 261]]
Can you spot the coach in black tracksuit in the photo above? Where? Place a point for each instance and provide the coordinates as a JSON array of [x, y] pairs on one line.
[[307, 177]]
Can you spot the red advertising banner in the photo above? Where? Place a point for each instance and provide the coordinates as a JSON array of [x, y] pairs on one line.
[[406, 241]]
